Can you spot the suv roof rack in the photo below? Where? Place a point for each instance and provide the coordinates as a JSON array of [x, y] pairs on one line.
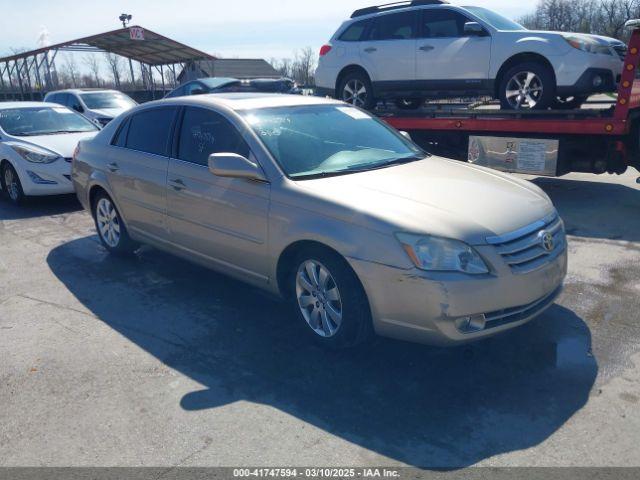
[[395, 5]]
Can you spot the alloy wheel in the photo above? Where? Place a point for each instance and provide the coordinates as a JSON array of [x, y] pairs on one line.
[[319, 298], [11, 183], [355, 92], [108, 222], [524, 90]]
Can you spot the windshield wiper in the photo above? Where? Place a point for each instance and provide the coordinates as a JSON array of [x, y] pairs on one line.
[[390, 163]]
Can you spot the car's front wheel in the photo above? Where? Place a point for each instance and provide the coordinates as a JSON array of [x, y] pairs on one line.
[[111, 229], [328, 297], [11, 184], [355, 88], [528, 86]]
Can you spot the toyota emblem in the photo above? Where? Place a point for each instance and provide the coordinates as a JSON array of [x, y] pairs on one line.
[[546, 240]]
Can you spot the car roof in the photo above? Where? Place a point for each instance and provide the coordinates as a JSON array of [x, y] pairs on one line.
[[7, 105], [84, 90], [249, 100]]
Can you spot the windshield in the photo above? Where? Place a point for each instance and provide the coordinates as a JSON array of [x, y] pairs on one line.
[[494, 19], [43, 121], [99, 100], [322, 140]]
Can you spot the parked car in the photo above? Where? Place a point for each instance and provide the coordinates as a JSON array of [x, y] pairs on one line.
[[226, 85], [99, 106], [428, 48], [36, 143], [321, 203]]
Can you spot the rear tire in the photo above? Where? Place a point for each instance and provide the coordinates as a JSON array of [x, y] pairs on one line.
[[11, 185], [409, 103], [355, 88], [112, 231], [528, 86], [327, 296]]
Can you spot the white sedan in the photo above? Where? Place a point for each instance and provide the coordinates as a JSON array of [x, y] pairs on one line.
[[37, 141]]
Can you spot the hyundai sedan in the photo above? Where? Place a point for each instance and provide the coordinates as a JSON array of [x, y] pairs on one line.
[[328, 207]]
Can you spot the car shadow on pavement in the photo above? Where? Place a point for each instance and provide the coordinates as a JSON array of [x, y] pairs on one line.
[[595, 209], [425, 406], [35, 207]]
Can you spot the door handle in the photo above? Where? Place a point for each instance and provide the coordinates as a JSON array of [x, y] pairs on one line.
[[426, 48], [177, 184], [370, 49], [113, 167]]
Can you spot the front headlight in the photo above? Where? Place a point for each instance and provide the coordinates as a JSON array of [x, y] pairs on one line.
[[35, 156], [587, 44], [442, 254]]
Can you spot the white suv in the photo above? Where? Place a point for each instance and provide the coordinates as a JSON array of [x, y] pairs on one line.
[[427, 48], [99, 106]]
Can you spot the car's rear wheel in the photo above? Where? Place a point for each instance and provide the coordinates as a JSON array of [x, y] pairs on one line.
[[409, 103], [355, 88], [111, 229], [328, 297], [528, 86], [11, 185]]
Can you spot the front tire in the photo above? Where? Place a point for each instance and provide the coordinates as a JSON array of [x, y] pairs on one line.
[[111, 229], [11, 185], [329, 299], [528, 86], [355, 88]]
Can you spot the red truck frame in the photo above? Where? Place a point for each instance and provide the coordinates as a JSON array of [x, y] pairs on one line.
[[590, 140]]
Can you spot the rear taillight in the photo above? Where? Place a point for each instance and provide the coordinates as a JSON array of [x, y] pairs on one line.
[[324, 50]]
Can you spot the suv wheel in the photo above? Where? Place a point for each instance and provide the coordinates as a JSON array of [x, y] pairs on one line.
[[528, 86], [355, 88], [111, 229], [329, 299], [409, 103], [11, 184]]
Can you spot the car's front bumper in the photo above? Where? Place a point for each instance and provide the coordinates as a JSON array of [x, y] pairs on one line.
[[46, 179], [576, 71], [424, 307]]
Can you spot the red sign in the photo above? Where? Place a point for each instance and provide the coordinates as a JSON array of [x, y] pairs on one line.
[[136, 33]]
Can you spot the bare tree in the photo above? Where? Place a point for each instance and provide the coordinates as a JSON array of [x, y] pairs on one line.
[[604, 17], [92, 62], [69, 72], [115, 64], [304, 65]]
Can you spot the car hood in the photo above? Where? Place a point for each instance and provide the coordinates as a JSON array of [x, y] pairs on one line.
[[552, 34], [109, 112], [434, 196], [61, 144]]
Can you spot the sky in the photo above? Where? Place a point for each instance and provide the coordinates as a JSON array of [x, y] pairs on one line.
[[241, 28]]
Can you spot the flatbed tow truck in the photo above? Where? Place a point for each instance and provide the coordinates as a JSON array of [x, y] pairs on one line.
[[601, 137]]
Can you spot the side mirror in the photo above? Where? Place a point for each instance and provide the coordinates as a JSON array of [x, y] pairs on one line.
[[474, 29], [406, 135], [232, 165], [78, 108]]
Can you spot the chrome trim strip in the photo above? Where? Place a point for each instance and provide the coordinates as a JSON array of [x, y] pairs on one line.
[[509, 237]]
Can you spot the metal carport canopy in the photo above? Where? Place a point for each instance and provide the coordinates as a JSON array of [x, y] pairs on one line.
[[154, 49]]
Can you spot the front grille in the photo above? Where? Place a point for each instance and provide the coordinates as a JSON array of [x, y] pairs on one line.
[[621, 51], [526, 250], [515, 314]]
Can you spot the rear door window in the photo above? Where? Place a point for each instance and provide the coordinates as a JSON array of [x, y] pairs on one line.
[[204, 132], [150, 130], [396, 26]]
